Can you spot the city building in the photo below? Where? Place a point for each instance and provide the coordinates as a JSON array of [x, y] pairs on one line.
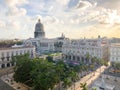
[[115, 52], [44, 45], [7, 53], [115, 40], [102, 85], [79, 50]]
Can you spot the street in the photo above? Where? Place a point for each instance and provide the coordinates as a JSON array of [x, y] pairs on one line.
[[90, 78]]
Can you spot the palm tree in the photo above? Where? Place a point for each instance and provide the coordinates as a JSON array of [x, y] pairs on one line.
[[85, 68], [92, 68], [78, 69], [60, 71], [66, 83], [83, 86], [88, 57], [94, 89], [102, 62], [74, 77], [94, 59]]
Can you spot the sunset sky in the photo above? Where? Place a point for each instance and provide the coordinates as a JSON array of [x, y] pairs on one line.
[[74, 18]]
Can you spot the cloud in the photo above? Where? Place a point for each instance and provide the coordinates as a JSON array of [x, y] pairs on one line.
[[13, 9], [51, 8], [37, 17], [63, 2], [12, 3], [76, 18], [109, 4], [2, 24], [83, 5], [108, 16], [51, 20]]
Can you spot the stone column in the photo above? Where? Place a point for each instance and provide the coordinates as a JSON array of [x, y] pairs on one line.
[[10, 64], [71, 57], [80, 58], [5, 65]]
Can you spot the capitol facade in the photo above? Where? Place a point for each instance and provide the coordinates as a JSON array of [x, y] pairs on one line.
[[45, 45], [73, 50]]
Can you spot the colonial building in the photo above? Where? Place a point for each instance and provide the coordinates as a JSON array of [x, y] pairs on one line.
[[44, 45], [115, 52], [6, 54], [78, 50]]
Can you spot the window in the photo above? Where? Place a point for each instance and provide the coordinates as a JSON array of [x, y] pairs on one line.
[[12, 53], [16, 52], [24, 51], [116, 59], [2, 56], [8, 58], [21, 52], [7, 54], [112, 58]]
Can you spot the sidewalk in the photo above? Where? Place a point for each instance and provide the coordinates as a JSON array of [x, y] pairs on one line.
[[5, 71], [9, 80]]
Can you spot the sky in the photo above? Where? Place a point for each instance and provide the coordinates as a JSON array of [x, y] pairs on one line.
[[75, 18]]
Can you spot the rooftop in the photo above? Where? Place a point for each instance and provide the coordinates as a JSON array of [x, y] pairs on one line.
[[115, 45], [15, 47]]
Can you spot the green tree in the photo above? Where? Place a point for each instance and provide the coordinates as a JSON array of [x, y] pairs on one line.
[[88, 57], [66, 83], [50, 59], [60, 72], [94, 89], [44, 76], [74, 77], [22, 69], [94, 59], [83, 86]]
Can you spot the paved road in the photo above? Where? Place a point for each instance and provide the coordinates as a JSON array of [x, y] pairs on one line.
[[112, 81], [15, 85], [88, 79], [111, 74], [4, 86]]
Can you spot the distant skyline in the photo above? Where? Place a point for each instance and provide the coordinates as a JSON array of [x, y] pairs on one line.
[[74, 18]]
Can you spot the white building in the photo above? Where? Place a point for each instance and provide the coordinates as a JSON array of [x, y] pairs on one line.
[[115, 52], [43, 44], [6, 54], [76, 50]]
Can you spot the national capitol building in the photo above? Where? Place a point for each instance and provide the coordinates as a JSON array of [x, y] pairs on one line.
[[44, 45], [73, 50]]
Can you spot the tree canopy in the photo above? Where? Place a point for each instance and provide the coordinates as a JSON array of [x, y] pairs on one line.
[[42, 74]]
